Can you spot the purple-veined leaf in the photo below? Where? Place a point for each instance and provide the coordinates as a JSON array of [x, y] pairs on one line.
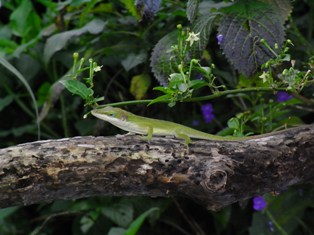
[[192, 9], [242, 27]]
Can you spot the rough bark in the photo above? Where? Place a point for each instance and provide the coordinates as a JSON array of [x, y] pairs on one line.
[[214, 174]]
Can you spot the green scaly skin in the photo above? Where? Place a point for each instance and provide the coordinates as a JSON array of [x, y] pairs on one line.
[[153, 127]]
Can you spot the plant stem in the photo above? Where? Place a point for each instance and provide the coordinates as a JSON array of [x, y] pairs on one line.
[[202, 98], [281, 230]]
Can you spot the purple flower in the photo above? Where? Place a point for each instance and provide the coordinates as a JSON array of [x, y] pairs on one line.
[[283, 96], [195, 122], [207, 111], [219, 37], [259, 203]]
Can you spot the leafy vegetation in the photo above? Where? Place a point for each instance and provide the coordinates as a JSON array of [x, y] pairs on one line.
[[197, 58]]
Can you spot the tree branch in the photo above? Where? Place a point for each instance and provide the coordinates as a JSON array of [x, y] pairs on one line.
[[215, 174]]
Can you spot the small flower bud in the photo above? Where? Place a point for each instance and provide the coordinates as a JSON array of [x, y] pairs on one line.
[[75, 55], [290, 42]]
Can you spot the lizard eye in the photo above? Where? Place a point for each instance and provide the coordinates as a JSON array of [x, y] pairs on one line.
[[111, 114]]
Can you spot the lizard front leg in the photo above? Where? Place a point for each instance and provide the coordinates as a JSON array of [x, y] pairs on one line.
[[186, 138]]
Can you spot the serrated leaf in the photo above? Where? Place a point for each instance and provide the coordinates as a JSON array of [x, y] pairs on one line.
[[208, 6], [147, 8], [202, 25], [283, 7], [78, 88], [242, 28], [59, 41], [192, 9], [162, 59], [140, 85]]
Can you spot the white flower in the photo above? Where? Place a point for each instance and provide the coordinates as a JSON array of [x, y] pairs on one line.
[[193, 38], [97, 68], [264, 76]]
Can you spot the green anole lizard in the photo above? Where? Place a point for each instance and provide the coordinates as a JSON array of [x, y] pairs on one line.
[[148, 126]]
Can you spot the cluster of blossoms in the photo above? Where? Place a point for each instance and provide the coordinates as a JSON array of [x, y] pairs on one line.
[[283, 96], [207, 111]]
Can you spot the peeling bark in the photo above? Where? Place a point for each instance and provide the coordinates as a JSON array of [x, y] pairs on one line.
[[213, 173]]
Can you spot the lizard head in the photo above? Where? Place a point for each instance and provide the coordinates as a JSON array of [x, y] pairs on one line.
[[120, 118], [111, 114]]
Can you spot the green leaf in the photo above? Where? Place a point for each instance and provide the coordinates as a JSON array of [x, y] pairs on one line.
[[222, 219], [117, 231], [161, 99], [175, 80], [120, 213], [59, 41], [291, 121], [234, 123], [13, 70], [4, 102], [140, 85], [243, 26], [260, 225], [133, 60], [19, 131], [130, 6], [43, 92], [86, 223], [162, 89], [191, 9], [24, 20], [78, 88], [7, 46], [136, 224], [182, 87], [6, 212], [196, 84]]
